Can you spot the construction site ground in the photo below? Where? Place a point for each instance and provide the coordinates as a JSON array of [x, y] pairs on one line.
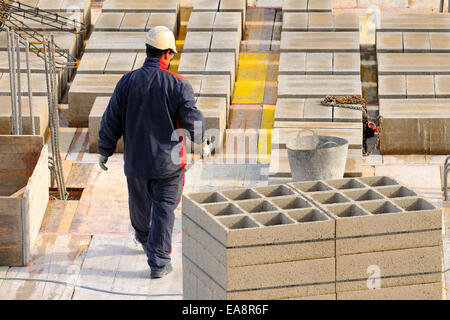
[[85, 246]]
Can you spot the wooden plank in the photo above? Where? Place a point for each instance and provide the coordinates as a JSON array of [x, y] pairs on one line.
[[104, 203], [100, 267], [35, 202], [38, 269], [10, 231], [67, 216], [53, 216], [79, 175], [55, 257], [67, 258]]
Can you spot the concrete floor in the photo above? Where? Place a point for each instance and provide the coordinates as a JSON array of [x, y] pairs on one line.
[[88, 241]]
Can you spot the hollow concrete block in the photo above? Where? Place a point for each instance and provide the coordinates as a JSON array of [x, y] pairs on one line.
[[397, 268], [428, 291]]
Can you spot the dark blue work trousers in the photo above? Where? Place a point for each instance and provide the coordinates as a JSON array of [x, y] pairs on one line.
[[152, 203]]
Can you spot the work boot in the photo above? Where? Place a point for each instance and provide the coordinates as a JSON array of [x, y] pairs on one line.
[[156, 273]]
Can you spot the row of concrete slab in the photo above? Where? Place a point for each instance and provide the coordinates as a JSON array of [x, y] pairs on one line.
[[210, 59], [413, 83], [319, 56], [335, 239]]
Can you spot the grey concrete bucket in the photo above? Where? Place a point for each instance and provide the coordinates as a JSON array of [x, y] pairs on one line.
[[315, 157]]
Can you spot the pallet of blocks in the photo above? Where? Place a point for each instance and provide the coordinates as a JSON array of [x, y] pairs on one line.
[[355, 238], [24, 195], [413, 83]]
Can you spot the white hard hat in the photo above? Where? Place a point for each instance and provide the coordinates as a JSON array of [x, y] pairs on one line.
[[161, 38]]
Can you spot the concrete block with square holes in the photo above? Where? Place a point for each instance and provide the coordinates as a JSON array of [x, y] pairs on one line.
[[233, 238]]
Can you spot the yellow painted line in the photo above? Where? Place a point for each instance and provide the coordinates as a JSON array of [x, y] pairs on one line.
[[251, 78], [265, 136]]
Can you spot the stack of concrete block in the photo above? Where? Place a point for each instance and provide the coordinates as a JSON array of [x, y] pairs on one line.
[[307, 6], [83, 92], [210, 58], [356, 238], [413, 83], [319, 56], [259, 243], [138, 6], [135, 22], [320, 21]]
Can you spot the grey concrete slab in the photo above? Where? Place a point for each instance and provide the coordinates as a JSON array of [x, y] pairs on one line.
[[93, 62], [320, 6], [389, 42], [201, 21], [116, 42], [319, 42], [141, 6], [206, 5], [195, 80], [392, 86], [222, 63], [420, 86], [442, 86], [413, 63], [120, 63], [346, 21], [319, 63], [289, 109], [36, 63], [134, 21], [215, 112], [235, 6], [295, 5], [226, 42], [40, 115], [315, 111], [414, 21], [320, 21], [95, 118], [439, 42], [38, 84], [140, 59], [192, 63], [416, 42], [228, 21], [295, 21], [83, 92], [314, 86], [197, 41], [346, 63], [216, 86], [292, 63], [109, 21], [168, 20]]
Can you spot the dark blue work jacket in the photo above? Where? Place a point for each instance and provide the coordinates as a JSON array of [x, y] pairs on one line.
[[147, 108]]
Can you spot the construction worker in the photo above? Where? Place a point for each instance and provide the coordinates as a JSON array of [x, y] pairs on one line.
[[147, 107]]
